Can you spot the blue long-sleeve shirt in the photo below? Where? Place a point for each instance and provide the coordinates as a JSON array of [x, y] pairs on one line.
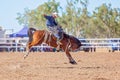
[[50, 21]]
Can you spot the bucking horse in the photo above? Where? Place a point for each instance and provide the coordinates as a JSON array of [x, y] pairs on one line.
[[37, 37]]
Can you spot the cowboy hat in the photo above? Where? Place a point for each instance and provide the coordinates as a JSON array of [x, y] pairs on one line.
[[55, 13]]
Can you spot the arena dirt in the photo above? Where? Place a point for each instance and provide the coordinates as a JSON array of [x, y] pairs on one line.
[[55, 66]]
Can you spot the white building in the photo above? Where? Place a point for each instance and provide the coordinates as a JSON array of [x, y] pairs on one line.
[[2, 33]]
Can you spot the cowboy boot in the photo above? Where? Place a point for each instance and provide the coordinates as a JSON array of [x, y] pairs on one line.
[[58, 42]]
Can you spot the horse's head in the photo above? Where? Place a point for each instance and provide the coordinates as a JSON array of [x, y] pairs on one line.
[[75, 43]]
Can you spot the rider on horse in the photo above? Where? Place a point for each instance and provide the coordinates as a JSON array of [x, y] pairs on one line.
[[53, 26]]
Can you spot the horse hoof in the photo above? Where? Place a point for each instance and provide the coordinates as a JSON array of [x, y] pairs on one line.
[[73, 62], [58, 50], [25, 56]]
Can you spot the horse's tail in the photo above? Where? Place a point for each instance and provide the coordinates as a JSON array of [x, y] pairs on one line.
[[30, 33]]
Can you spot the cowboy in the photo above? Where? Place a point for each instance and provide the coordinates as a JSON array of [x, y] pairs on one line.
[[53, 26]]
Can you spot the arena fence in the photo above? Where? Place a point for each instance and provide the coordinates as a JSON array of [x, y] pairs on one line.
[[19, 44]]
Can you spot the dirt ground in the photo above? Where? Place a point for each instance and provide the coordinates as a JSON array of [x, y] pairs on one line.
[[55, 66]]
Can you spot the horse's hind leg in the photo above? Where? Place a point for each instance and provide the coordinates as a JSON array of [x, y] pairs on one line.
[[27, 49], [30, 44]]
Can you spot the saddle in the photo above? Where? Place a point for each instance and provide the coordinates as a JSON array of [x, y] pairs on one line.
[[49, 35]]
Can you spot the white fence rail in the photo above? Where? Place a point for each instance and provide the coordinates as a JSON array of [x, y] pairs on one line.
[[20, 43], [101, 43]]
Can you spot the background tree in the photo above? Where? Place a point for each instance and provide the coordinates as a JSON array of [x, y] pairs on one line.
[[35, 18], [103, 22], [75, 17], [107, 20]]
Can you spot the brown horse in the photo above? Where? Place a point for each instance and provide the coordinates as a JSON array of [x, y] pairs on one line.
[[39, 36]]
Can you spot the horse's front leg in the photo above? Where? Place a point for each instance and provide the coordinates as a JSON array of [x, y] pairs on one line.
[[71, 60]]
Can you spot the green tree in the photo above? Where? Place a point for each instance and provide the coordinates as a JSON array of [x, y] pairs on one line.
[[35, 18], [75, 17], [104, 22], [108, 19]]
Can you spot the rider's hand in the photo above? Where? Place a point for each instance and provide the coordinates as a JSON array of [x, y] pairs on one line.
[[44, 15]]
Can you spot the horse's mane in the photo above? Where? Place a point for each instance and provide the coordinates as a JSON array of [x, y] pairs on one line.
[[66, 35]]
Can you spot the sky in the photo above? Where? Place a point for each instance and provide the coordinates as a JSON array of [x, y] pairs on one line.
[[10, 8]]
